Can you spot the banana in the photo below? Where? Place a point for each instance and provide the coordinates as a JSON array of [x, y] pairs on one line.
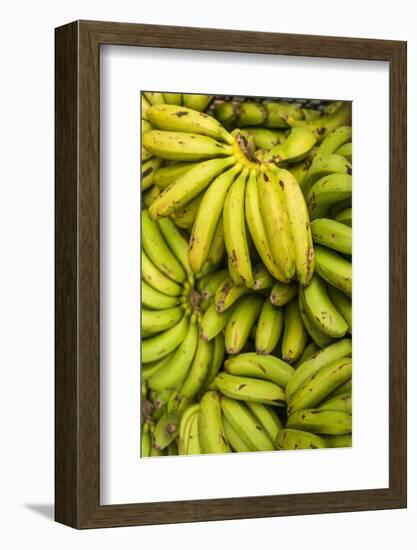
[[187, 414], [321, 422], [346, 151], [296, 147], [145, 155], [322, 126], [269, 328], [294, 338], [334, 140], [344, 388], [183, 146], [185, 438], [154, 299], [320, 384], [208, 217], [226, 113], [157, 321], [277, 114], [239, 326], [157, 280], [326, 191], [308, 352], [326, 356], [188, 186], [209, 284], [198, 102], [183, 119], [291, 440], [334, 269], [166, 430], [213, 322], [311, 114], [148, 370], [262, 279], [277, 224], [264, 138], [256, 227], [199, 369], [176, 242], [217, 360], [343, 305], [144, 107], [149, 196], [159, 346], [318, 336], [340, 403], [235, 229], [339, 206], [245, 425], [228, 293], [322, 311], [332, 234], [154, 98], [299, 224], [268, 418], [173, 374], [193, 443], [145, 442], [173, 99], [325, 165], [250, 389], [148, 172], [172, 449], [265, 367], [299, 170], [158, 251], [184, 217], [157, 452], [344, 216], [234, 439], [283, 293], [210, 426], [335, 441], [168, 174]]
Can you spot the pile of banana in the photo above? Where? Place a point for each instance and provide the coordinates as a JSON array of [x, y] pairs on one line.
[[246, 275]]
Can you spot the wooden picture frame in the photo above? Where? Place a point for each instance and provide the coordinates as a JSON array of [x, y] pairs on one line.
[[77, 371]]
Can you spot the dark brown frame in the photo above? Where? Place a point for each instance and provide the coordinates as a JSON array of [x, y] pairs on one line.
[[77, 274]]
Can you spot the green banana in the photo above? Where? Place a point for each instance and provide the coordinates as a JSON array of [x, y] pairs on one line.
[[187, 414], [199, 369], [173, 99], [239, 326], [158, 251], [262, 278], [322, 126], [198, 102], [294, 338], [245, 425], [268, 418], [291, 440], [283, 293], [148, 172], [250, 389], [154, 98], [177, 368], [157, 280], [335, 441], [145, 442], [194, 443], [321, 422], [325, 165], [209, 284], [217, 360], [234, 439], [344, 216], [269, 328], [235, 229], [318, 336], [334, 139], [208, 217], [296, 147], [188, 186], [144, 107], [256, 227], [266, 367], [159, 346], [343, 305], [326, 356], [210, 426], [263, 138], [332, 234], [340, 403], [159, 320], [320, 384], [148, 370], [277, 224], [213, 322], [149, 196], [184, 217], [183, 119], [334, 269], [344, 388], [183, 146], [168, 174], [309, 351], [154, 299], [346, 151], [176, 242], [326, 191], [228, 293], [166, 430], [144, 156], [322, 311]]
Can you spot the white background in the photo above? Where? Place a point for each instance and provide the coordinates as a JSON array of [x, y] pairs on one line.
[[124, 478], [26, 300]]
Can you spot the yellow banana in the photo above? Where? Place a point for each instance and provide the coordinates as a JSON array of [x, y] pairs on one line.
[[334, 269], [148, 172], [154, 98], [291, 440], [210, 426], [296, 147], [244, 388], [162, 344], [265, 367], [172, 98], [184, 217], [228, 293], [325, 165], [269, 328], [234, 439], [268, 418], [326, 191], [346, 151], [240, 324], [318, 336], [168, 174], [282, 293], [198, 102], [321, 422], [208, 285], [262, 278], [213, 322], [294, 337], [332, 234], [334, 140]]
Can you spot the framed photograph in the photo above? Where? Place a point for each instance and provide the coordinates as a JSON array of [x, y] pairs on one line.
[[230, 274]]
